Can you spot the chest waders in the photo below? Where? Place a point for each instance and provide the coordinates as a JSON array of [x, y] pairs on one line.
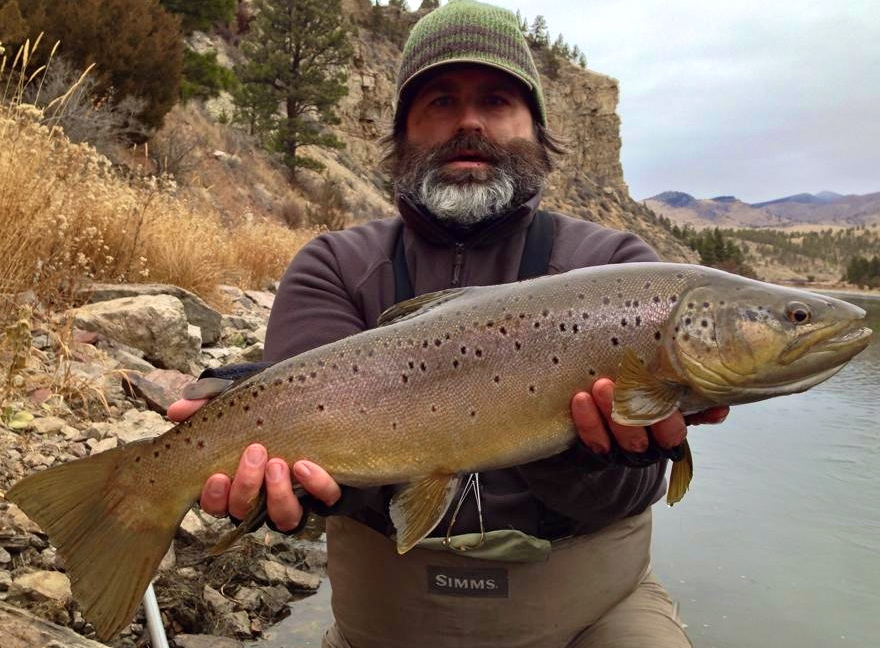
[[512, 590]]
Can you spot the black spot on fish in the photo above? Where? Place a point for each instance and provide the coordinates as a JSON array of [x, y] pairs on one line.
[[478, 353], [404, 378], [575, 328], [657, 335], [532, 389], [290, 379], [463, 350], [705, 304], [647, 284], [187, 440], [690, 304], [704, 324], [581, 296], [137, 459], [537, 325], [320, 408], [259, 422], [497, 379], [473, 413], [423, 366], [205, 418], [555, 360], [585, 316], [517, 345], [278, 382], [628, 303], [656, 299], [247, 408], [545, 312], [592, 372], [687, 321], [638, 321], [168, 446], [433, 408], [424, 344], [313, 374], [302, 377], [522, 315], [152, 481], [393, 425], [673, 299], [623, 322], [562, 327], [438, 342], [490, 324], [606, 301], [502, 330], [679, 275], [220, 414], [636, 303], [156, 453], [411, 364], [615, 341], [355, 368]]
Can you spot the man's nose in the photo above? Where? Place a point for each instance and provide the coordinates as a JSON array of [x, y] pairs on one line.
[[470, 119]]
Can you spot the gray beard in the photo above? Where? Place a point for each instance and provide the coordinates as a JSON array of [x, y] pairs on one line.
[[467, 203]]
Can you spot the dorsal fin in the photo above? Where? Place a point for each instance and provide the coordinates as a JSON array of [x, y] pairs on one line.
[[418, 305]]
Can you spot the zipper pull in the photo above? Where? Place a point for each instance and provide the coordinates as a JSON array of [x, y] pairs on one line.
[[459, 262]]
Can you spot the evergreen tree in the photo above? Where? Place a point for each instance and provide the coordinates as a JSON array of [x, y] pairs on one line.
[[201, 14], [135, 45], [539, 35], [296, 51]]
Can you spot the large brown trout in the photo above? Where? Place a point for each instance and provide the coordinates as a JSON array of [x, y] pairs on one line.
[[460, 381]]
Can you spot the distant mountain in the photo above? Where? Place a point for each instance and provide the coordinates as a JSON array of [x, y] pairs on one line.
[[827, 208], [721, 211], [821, 198], [823, 208]]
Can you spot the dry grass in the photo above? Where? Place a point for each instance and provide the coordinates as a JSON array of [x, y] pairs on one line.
[[68, 217]]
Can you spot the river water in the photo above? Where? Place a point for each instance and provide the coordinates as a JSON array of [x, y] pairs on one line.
[[778, 541], [777, 544]]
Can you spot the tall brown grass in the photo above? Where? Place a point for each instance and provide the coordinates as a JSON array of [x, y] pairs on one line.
[[68, 217]]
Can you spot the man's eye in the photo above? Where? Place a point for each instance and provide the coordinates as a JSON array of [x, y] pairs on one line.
[[442, 100], [497, 100]]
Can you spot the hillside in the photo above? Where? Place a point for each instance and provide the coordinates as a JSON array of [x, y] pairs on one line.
[[823, 209], [582, 106]]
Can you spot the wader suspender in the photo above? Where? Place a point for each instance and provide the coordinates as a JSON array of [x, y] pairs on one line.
[[534, 262]]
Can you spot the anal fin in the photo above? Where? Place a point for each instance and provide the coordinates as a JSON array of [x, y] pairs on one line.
[[417, 507], [680, 477]]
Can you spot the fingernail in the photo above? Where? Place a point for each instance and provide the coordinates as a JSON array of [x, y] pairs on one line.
[[275, 471], [638, 445], [216, 488], [302, 471], [255, 455]]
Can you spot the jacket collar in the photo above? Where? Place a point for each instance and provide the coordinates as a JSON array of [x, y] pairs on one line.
[[427, 227]]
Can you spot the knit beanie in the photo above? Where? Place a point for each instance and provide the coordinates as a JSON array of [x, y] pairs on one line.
[[465, 31]]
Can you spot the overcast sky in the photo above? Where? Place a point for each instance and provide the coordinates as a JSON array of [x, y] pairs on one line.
[[756, 98]]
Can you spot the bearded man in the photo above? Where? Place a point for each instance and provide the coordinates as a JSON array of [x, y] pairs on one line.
[[555, 553]]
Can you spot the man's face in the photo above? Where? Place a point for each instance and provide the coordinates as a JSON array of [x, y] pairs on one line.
[[470, 150]]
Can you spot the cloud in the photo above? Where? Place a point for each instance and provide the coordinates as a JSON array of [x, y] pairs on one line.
[[757, 99]]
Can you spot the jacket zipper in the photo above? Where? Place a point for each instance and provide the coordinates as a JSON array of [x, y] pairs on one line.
[[459, 262]]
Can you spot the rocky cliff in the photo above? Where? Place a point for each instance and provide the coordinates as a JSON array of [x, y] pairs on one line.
[[582, 107]]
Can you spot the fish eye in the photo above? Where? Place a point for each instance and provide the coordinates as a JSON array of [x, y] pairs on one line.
[[798, 313]]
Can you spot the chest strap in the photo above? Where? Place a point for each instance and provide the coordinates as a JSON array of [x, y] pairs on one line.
[[534, 262]]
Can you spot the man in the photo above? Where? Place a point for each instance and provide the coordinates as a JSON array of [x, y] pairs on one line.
[[554, 553]]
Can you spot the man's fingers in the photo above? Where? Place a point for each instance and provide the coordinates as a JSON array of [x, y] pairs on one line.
[[181, 410], [282, 505], [715, 414], [670, 432], [631, 438], [248, 481], [214, 499], [589, 423], [317, 482]]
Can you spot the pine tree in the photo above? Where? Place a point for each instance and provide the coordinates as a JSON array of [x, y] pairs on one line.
[[539, 36], [201, 14], [135, 45], [296, 51]]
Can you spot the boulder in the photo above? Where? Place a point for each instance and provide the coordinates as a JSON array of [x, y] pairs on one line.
[[41, 586], [206, 641], [197, 310], [155, 324], [21, 629]]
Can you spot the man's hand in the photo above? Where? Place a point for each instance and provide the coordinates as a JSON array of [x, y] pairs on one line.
[[591, 412], [222, 495]]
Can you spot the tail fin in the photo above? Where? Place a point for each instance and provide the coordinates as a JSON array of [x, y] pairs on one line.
[[110, 524]]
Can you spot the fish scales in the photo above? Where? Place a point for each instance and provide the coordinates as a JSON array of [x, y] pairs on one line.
[[465, 380]]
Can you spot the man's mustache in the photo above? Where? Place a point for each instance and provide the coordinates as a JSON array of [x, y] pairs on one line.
[[466, 145]]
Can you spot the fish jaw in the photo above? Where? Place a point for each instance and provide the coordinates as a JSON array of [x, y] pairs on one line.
[[754, 341]]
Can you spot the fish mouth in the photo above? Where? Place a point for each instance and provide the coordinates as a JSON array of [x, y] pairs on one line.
[[836, 343]]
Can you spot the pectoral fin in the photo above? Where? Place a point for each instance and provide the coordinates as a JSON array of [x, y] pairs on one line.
[[680, 478], [639, 397], [253, 521], [417, 508]]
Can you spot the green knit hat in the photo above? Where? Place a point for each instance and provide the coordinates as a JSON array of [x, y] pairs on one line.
[[465, 31]]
